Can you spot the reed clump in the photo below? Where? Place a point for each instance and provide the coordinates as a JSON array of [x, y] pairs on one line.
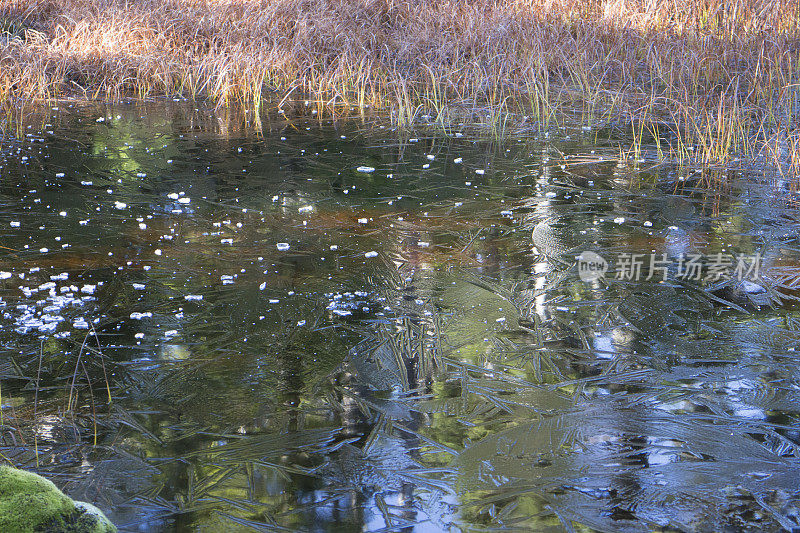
[[721, 72]]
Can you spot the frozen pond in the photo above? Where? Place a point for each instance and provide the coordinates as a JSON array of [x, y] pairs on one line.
[[334, 325]]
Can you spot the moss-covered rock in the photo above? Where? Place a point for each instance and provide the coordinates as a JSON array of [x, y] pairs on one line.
[[30, 503], [92, 519]]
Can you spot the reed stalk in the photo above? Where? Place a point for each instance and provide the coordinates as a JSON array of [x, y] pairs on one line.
[[415, 57]]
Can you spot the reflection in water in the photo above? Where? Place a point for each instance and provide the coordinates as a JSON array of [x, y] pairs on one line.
[[204, 328]]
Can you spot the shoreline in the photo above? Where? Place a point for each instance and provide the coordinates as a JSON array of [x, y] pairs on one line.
[[722, 77]]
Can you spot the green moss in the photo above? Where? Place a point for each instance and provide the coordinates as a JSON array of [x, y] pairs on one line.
[[30, 503]]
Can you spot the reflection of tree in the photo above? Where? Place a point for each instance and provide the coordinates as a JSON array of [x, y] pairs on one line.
[[642, 446]]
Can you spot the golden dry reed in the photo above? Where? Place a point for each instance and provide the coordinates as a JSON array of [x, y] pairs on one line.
[[723, 75]]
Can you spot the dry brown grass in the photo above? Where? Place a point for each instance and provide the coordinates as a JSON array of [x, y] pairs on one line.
[[720, 69]]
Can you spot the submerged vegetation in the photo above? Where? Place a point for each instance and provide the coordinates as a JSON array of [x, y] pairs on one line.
[[716, 80]]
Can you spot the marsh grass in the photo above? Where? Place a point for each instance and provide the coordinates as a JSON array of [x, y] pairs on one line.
[[723, 74]]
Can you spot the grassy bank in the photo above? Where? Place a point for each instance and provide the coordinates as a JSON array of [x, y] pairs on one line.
[[722, 76]]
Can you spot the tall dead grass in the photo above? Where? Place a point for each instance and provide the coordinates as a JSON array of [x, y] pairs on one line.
[[719, 70]]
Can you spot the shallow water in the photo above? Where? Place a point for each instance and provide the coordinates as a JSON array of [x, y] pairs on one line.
[[333, 325]]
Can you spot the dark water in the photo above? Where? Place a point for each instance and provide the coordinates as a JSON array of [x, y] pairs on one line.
[[204, 327]]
